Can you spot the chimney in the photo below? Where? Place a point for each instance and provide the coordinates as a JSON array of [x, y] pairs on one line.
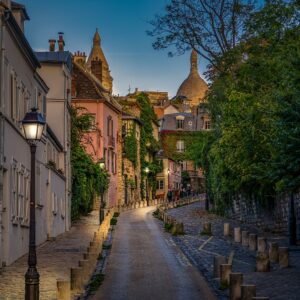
[[52, 45], [80, 58], [61, 42]]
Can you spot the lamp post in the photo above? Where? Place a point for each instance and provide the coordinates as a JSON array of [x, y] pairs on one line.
[[101, 209], [147, 194], [33, 126]]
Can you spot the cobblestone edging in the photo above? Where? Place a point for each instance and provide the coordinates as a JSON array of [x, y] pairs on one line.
[[64, 265], [278, 284]]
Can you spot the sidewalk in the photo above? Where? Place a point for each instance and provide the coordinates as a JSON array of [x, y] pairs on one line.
[[54, 258], [279, 284]]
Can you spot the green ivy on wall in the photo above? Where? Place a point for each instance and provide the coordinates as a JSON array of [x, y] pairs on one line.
[[148, 143], [130, 146], [87, 177]]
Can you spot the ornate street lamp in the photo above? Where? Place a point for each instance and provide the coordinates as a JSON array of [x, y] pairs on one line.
[[147, 194], [33, 126], [101, 211]]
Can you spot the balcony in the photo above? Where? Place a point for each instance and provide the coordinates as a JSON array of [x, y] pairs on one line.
[[111, 142]]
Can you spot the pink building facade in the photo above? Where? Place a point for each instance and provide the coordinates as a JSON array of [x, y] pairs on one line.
[[91, 90]]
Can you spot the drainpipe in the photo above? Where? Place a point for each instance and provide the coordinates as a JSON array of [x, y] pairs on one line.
[[1, 131]]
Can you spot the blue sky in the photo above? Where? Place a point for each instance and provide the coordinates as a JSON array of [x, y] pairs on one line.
[[122, 25]]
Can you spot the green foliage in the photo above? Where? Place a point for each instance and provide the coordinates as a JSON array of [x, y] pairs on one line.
[[185, 178], [130, 146], [116, 215], [96, 282], [168, 227], [148, 143], [87, 177], [113, 221], [255, 102]]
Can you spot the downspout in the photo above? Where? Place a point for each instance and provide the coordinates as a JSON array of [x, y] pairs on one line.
[[1, 132]]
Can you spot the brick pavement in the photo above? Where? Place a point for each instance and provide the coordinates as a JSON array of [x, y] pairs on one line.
[[55, 258], [279, 284]]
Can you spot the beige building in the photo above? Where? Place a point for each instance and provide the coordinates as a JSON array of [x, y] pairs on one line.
[[56, 71], [22, 88]]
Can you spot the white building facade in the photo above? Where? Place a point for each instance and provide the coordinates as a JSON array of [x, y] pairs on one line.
[[22, 88]]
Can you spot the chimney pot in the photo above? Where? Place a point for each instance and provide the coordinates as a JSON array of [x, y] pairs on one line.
[[52, 45], [61, 42]]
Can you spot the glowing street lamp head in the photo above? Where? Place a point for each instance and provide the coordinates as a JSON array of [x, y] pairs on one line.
[[147, 170], [33, 125], [102, 164]]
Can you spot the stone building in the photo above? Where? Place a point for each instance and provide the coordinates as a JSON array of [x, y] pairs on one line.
[[183, 119], [91, 89], [131, 117], [21, 88], [169, 179], [130, 187]]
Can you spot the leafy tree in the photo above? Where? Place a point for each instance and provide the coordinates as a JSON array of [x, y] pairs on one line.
[[254, 103], [211, 27]]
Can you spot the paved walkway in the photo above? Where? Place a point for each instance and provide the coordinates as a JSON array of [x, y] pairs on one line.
[[279, 284], [54, 261], [146, 264]]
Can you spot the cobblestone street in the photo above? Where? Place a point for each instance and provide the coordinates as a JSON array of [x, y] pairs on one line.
[[55, 258], [279, 284]]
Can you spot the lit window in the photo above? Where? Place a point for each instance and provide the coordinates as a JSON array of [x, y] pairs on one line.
[[180, 146], [160, 184]]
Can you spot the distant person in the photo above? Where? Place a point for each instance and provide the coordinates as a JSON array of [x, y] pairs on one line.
[[170, 195]]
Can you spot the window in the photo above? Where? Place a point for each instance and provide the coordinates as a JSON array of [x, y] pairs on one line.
[[13, 97], [180, 146], [207, 125], [179, 124], [19, 185], [160, 184], [113, 163], [14, 191], [54, 204], [110, 126], [108, 160]]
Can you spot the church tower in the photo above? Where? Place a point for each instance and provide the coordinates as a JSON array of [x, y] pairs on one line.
[[98, 65]]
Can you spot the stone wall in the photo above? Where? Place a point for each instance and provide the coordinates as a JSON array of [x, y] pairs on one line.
[[273, 219]]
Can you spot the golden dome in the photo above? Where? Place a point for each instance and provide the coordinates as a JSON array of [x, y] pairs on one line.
[[194, 87]]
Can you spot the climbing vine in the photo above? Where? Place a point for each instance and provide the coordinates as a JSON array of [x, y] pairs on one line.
[[130, 146], [148, 144], [87, 177]]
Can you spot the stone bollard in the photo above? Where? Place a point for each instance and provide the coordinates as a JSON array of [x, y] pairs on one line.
[[283, 257], [226, 229], [206, 228], [245, 238], [248, 291], [86, 269], [252, 241], [273, 252], [237, 234], [225, 270], [235, 283], [262, 262], [218, 261], [76, 279], [261, 244], [63, 290]]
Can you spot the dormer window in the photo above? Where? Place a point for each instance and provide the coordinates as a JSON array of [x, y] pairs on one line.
[[179, 122]]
